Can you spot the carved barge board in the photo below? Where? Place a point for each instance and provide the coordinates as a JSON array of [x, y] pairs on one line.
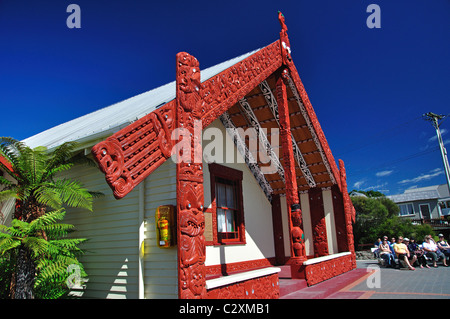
[[225, 89], [133, 153], [130, 155]]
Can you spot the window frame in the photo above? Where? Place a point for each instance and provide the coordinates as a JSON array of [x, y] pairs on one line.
[[406, 204], [236, 177]]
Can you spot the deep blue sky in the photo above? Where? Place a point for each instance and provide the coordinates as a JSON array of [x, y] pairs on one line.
[[369, 87]]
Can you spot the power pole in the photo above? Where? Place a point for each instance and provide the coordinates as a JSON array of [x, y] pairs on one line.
[[434, 118]]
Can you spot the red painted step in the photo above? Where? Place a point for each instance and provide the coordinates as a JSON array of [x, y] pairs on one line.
[[288, 286], [285, 271]]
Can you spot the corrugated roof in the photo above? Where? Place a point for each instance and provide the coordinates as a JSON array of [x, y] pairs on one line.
[[111, 119], [413, 196]]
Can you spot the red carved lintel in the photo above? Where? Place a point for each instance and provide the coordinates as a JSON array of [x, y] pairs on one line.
[[191, 220]]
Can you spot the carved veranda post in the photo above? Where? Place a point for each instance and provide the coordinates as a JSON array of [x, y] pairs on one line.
[[191, 221], [349, 211], [297, 239]]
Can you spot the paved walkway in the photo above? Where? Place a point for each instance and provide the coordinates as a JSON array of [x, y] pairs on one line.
[[388, 283], [369, 281]]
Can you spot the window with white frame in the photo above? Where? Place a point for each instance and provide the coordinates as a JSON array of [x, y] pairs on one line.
[[406, 209]]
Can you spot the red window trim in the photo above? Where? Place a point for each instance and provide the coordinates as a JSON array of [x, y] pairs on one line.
[[217, 170]]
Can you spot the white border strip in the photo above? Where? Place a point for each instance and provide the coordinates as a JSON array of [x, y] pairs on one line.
[[231, 279]]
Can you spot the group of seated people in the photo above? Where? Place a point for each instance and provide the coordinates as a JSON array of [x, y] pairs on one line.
[[408, 251]]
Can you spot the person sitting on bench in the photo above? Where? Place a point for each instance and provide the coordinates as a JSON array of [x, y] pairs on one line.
[[403, 253], [432, 251], [386, 254]]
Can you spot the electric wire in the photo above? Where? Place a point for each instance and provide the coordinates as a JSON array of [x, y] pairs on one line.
[[398, 160], [388, 132]]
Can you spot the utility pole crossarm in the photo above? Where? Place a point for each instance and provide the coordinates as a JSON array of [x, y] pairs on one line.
[[434, 118]]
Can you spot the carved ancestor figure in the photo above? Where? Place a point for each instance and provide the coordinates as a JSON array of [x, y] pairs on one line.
[[109, 156], [191, 220], [298, 242]]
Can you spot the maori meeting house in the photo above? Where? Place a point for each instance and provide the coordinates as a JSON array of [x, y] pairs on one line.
[[176, 222]]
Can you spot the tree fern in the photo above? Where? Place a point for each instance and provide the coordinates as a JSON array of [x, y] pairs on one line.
[[37, 188], [35, 172], [51, 256]]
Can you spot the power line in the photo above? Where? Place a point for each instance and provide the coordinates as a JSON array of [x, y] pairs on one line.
[[401, 159], [387, 132]]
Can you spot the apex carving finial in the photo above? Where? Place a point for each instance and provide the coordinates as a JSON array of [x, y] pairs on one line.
[[284, 39], [282, 21]]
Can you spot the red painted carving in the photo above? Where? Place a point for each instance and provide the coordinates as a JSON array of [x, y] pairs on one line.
[[339, 219], [206, 101], [292, 199], [259, 288], [191, 220], [318, 222], [131, 154], [215, 271], [350, 212], [285, 45], [319, 272], [225, 89]]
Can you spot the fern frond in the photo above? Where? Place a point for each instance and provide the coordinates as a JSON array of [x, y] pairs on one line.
[[58, 169], [47, 219], [59, 157], [47, 195], [19, 228], [10, 149], [8, 243], [5, 182], [38, 246], [70, 244], [57, 230], [8, 194], [73, 194]]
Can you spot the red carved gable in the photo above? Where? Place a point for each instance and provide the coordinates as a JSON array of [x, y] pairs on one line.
[[133, 153]]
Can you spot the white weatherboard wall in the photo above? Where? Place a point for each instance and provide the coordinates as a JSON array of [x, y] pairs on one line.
[[112, 252], [257, 209], [329, 221], [111, 258], [160, 272], [307, 226]]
